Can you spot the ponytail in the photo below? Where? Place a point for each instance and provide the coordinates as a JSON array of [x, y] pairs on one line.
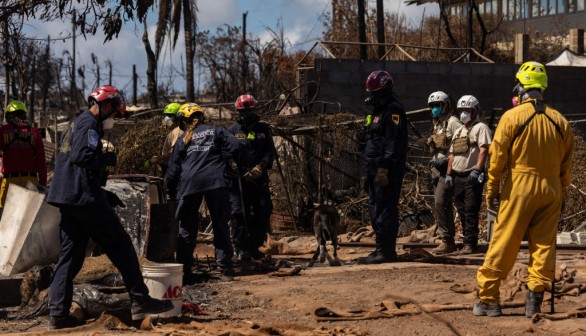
[[189, 132]]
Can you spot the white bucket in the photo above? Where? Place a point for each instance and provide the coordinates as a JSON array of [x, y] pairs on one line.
[[164, 283]]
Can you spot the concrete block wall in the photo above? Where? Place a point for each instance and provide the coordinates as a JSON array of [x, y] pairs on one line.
[[344, 81]]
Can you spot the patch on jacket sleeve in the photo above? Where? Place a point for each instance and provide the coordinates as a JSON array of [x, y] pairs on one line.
[[396, 119], [93, 138]]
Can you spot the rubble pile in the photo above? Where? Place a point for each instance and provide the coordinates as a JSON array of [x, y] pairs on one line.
[[319, 159]]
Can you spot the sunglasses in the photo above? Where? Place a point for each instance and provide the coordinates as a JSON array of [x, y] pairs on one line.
[[435, 105]]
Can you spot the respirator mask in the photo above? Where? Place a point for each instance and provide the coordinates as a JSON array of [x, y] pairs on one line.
[[108, 124], [465, 117], [168, 121]]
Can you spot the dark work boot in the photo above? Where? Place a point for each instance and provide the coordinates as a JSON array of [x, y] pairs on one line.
[[61, 322], [149, 306], [377, 257], [533, 302]]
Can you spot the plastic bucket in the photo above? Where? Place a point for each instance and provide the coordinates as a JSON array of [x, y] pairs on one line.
[[164, 283]]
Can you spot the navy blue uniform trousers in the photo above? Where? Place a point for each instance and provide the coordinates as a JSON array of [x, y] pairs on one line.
[[384, 215], [99, 222], [187, 213], [250, 234]]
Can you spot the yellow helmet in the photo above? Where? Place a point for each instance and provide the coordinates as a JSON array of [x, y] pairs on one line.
[[532, 75], [15, 106], [188, 109]]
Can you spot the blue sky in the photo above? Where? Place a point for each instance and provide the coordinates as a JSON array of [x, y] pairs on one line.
[[300, 20]]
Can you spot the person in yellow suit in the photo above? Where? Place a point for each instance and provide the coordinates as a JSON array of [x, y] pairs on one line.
[[532, 151]]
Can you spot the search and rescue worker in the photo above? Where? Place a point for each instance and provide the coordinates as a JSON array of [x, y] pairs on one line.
[[384, 160], [445, 124], [249, 193], [196, 172], [76, 189], [158, 164], [468, 154], [23, 152], [532, 151]]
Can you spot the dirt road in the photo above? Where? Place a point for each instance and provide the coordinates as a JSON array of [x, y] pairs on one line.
[[261, 304]]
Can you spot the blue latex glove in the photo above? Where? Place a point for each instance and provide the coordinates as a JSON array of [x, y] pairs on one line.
[[473, 178]]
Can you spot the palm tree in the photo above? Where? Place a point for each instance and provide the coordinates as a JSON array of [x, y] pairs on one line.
[[170, 12]]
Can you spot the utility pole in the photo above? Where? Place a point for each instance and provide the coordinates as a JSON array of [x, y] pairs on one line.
[[362, 30], [109, 72], [74, 107], [134, 101], [81, 72], [469, 30], [97, 63], [244, 60], [31, 111], [380, 28], [6, 67], [45, 86]]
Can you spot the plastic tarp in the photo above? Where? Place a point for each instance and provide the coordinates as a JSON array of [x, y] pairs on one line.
[[568, 58]]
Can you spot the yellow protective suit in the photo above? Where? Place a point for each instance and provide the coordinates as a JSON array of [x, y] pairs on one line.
[[537, 166]]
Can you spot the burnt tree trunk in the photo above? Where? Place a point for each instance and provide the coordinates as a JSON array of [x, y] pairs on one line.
[[151, 68]]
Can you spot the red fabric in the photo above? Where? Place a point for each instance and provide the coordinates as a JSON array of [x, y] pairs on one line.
[[23, 157]]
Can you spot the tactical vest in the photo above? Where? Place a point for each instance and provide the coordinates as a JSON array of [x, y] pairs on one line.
[[461, 145]]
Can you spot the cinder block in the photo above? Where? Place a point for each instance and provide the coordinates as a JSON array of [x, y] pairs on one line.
[[577, 238]]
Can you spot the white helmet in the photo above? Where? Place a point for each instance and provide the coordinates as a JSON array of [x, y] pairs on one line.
[[438, 97], [468, 101]]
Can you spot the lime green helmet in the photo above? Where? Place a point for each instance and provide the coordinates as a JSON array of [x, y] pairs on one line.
[[532, 75], [172, 108], [15, 106]]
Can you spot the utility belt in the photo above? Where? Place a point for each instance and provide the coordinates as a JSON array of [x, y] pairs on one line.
[[461, 174], [11, 175]]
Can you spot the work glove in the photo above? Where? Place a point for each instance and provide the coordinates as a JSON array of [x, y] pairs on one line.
[[381, 178], [441, 164], [113, 199], [364, 183], [110, 159], [254, 173], [492, 198], [449, 182], [474, 176]]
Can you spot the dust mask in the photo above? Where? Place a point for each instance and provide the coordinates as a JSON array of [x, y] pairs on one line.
[[108, 123], [515, 101], [167, 121], [465, 117], [436, 111]]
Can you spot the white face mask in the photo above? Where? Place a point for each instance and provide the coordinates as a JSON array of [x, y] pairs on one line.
[[108, 124], [167, 121], [465, 117]]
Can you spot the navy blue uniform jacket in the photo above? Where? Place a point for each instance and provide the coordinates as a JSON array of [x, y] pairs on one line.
[[255, 147], [80, 165], [201, 165], [386, 142]]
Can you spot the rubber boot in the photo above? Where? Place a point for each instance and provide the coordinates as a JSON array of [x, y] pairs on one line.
[[533, 302]]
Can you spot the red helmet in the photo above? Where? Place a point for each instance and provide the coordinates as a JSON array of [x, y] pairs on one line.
[[379, 80], [245, 102], [107, 93]]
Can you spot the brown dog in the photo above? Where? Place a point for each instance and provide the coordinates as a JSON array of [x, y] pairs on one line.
[[325, 227]]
